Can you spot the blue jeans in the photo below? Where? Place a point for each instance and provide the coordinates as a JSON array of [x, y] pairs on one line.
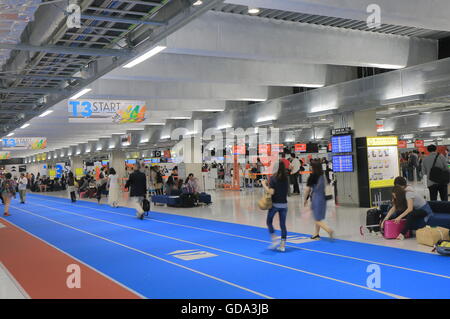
[[282, 213]]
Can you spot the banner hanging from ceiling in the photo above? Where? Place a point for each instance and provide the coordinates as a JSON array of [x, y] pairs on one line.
[[5, 155], [24, 143], [107, 111]]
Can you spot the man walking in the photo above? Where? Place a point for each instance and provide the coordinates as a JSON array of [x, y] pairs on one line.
[[137, 183], [23, 182], [436, 184], [295, 170]]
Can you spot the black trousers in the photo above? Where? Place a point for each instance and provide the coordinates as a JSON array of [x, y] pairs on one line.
[[294, 181], [441, 189], [73, 196]]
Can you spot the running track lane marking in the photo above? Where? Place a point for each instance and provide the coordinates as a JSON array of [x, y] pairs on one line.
[[227, 252], [264, 241], [145, 253]]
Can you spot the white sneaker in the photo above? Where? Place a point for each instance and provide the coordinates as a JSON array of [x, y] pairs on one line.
[[275, 243], [282, 246]]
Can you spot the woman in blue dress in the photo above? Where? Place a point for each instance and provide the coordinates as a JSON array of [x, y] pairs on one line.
[[316, 192]]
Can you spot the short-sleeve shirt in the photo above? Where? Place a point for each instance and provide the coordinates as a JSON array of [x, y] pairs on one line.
[[281, 190], [418, 201]]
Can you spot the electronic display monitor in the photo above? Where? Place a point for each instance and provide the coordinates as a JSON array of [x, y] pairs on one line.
[[343, 163], [342, 144], [131, 161]]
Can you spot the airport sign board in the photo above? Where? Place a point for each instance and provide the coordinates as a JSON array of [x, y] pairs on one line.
[[24, 143], [107, 111]]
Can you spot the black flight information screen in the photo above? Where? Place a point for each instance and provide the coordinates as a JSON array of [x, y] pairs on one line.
[[341, 144]]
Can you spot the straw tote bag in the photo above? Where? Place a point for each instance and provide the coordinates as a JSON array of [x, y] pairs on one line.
[[265, 202]]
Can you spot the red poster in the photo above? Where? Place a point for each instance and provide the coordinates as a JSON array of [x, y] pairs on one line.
[[264, 149], [300, 147], [167, 154], [402, 144], [419, 143], [238, 149], [330, 147], [277, 148]]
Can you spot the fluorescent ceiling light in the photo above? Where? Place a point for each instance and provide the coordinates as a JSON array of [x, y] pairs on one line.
[[309, 85], [112, 146], [435, 134], [99, 148], [198, 3], [82, 92], [145, 56], [408, 136], [144, 141], [385, 130], [223, 127], [403, 99], [180, 117], [46, 113], [155, 123], [266, 119], [25, 125], [165, 137], [322, 109], [387, 66], [253, 10], [429, 125], [10, 134]]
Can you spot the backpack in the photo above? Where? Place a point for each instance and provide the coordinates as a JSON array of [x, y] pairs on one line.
[[8, 186], [438, 175], [442, 247]]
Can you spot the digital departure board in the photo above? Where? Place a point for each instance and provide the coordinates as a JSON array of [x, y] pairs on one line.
[[341, 144], [342, 163]]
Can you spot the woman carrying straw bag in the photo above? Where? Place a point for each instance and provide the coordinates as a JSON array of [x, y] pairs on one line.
[[278, 189]]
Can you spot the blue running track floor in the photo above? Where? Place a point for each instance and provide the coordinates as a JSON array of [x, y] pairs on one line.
[[142, 255]]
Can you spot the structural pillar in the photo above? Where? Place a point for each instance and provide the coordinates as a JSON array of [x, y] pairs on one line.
[[75, 162], [117, 161], [363, 123]]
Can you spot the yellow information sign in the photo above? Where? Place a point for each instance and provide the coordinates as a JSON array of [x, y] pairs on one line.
[[79, 172], [52, 173], [382, 141], [383, 183]]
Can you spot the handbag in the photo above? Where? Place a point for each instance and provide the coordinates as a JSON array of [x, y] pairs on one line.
[[265, 202], [328, 191], [438, 175], [429, 236]]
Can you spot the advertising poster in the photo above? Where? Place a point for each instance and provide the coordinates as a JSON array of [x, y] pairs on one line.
[[107, 111], [300, 147], [5, 155], [52, 173], [79, 173], [383, 167], [24, 143], [59, 167]]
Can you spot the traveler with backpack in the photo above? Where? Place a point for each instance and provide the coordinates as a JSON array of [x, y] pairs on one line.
[[436, 168], [137, 184], [278, 188], [413, 163], [316, 185], [8, 190]]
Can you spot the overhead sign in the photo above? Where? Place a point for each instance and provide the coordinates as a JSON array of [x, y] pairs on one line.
[[107, 111], [344, 130], [402, 144], [24, 143], [419, 143], [5, 155], [300, 147], [382, 141], [264, 148], [277, 148]]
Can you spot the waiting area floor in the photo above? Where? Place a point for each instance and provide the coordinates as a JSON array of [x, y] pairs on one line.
[[216, 251]]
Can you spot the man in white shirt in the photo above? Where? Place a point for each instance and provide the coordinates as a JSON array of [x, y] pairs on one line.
[[23, 181], [295, 170]]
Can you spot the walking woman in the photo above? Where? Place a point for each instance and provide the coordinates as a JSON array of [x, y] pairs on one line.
[[278, 188], [71, 187], [316, 191], [8, 190], [114, 188]]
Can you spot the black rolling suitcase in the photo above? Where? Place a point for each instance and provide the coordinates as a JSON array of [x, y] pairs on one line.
[[373, 220]]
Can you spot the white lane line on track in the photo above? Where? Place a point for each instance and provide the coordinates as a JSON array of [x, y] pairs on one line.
[[143, 252], [265, 241], [228, 252]]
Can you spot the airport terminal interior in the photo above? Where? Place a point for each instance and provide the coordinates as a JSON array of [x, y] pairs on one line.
[[224, 149]]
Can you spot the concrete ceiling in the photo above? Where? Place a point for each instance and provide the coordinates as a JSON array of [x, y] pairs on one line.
[[221, 61]]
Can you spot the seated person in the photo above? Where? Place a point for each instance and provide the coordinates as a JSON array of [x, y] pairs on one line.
[[407, 204], [191, 186], [43, 184]]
